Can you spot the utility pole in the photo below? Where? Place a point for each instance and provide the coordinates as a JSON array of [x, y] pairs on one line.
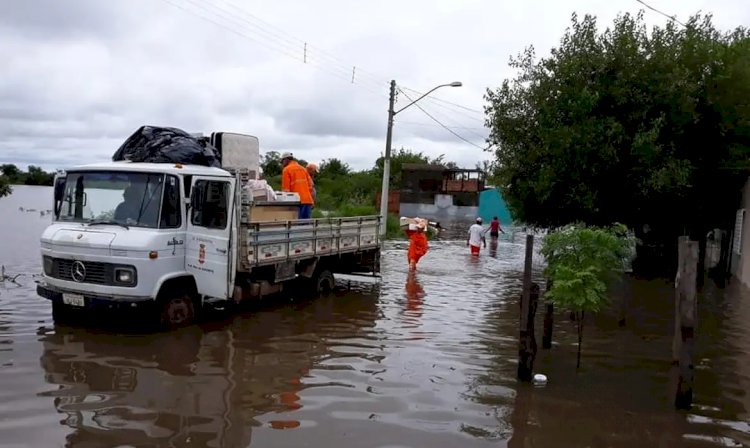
[[387, 158], [387, 162]]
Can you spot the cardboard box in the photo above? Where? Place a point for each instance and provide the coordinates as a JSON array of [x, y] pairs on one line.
[[273, 212]]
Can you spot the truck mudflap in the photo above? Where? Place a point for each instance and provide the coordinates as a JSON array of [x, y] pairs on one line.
[[91, 301]]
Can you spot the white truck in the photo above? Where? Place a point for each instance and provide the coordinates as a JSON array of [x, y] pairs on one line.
[[173, 239]]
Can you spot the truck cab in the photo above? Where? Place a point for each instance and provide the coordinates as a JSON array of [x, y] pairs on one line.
[[122, 232], [172, 239]]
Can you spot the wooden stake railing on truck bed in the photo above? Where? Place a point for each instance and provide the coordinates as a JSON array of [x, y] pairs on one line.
[[272, 242]]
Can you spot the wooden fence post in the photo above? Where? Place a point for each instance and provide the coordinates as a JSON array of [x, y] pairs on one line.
[[549, 319], [529, 300], [677, 338], [687, 311]]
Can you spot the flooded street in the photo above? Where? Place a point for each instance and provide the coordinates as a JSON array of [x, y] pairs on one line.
[[428, 361]]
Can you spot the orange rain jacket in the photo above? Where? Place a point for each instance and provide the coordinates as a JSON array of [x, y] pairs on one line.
[[294, 178]]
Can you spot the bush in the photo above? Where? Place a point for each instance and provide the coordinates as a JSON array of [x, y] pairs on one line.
[[581, 261]]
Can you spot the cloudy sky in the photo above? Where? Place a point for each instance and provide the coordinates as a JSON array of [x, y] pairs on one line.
[[79, 76]]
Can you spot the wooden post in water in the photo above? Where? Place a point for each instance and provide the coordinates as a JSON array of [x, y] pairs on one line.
[[549, 319], [677, 338], [529, 298], [688, 311]]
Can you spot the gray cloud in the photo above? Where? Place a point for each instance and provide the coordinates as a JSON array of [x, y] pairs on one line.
[[54, 19], [331, 122]]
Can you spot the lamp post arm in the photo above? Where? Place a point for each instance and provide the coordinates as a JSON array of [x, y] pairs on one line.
[[428, 92]]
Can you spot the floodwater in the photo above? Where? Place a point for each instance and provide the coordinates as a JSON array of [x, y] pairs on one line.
[[428, 361]]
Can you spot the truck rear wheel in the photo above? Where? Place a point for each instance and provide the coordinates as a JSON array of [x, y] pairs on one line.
[[177, 311], [324, 282], [321, 282]]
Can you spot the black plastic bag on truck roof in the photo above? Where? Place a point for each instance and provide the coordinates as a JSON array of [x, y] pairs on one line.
[[155, 144]]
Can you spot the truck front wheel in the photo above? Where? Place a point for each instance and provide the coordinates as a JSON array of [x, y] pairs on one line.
[[61, 313], [177, 311]]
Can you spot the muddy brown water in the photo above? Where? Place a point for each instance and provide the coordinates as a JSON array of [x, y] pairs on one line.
[[422, 362]]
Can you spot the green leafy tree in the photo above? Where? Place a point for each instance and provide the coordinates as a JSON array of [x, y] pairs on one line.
[[37, 176], [398, 158], [10, 170], [5, 188], [271, 164], [627, 125], [581, 262], [12, 175], [331, 168]]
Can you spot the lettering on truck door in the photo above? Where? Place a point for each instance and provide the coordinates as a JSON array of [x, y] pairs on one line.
[[208, 234]]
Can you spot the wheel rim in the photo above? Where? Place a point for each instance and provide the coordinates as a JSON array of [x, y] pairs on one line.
[[177, 311]]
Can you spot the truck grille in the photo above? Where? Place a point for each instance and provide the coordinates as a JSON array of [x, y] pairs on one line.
[[96, 273]]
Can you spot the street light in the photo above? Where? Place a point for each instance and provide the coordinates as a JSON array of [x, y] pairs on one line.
[[387, 158]]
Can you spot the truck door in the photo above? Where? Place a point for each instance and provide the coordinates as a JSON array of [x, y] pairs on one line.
[[208, 235]]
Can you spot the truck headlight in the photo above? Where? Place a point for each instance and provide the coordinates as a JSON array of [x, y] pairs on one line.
[[125, 275], [47, 265]]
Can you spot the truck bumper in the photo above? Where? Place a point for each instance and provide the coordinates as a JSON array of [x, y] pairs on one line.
[[94, 301]]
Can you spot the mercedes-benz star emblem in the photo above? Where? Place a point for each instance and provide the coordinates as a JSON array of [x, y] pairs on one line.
[[78, 271]]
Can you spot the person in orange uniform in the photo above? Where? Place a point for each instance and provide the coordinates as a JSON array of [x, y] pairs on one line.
[[312, 171], [418, 246], [294, 178]]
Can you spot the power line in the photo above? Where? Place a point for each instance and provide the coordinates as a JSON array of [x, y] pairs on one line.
[[278, 40], [416, 123], [359, 72], [469, 129], [446, 106], [673, 18], [447, 119], [442, 125], [310, 52], [285, 44], [379, 80], [280, 47], [440, 100]]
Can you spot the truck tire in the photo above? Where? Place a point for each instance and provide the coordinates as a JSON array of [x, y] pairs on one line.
[[324, 282], [61, 313], [176, 311]]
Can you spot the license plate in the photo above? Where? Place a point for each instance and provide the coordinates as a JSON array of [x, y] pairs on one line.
[[73, 299]]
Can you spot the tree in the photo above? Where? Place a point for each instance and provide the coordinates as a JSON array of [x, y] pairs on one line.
[[5, 188], [333, 168], [37, 176], [627, 126], [10, 170], [11, 174], [581, 261], [271, 164]]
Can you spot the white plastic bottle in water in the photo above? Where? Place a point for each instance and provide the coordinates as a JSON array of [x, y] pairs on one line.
[[540, 379]]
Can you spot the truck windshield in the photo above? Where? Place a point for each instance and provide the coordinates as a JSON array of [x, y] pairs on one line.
[[116, 197]]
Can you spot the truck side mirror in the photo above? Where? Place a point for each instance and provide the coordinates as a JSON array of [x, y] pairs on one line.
[[59, 192], [59, 188]]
